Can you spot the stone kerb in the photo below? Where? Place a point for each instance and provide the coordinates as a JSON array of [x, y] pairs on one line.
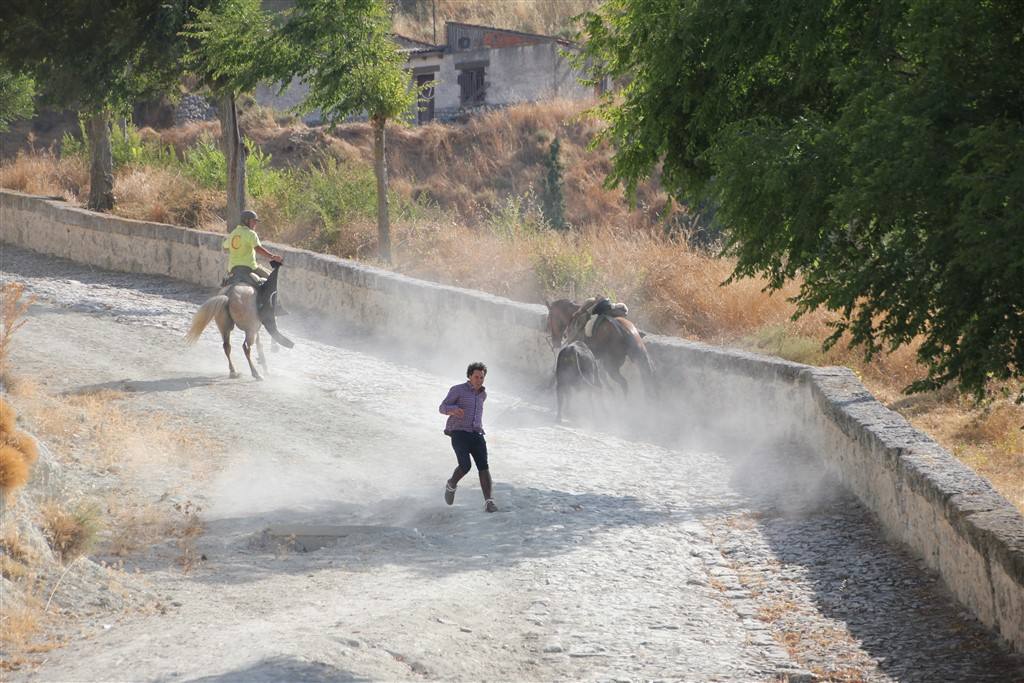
[[925, 498], [922, 495]]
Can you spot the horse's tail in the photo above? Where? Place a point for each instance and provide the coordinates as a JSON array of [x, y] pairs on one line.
[[204, 315], [637, 352], [279, 338], [584, 375]]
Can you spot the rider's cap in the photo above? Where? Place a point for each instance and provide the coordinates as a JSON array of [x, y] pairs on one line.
[[248, 215]]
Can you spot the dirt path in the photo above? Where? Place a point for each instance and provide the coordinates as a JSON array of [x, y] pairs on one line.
[[610, 559]]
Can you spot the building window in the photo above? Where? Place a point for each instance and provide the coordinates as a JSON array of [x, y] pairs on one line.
[[472, 88]]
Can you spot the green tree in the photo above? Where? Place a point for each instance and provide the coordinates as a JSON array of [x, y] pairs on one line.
[[873, 149], [17, 91], [236, 46], [97, 56], [344, 51], [552, 199]]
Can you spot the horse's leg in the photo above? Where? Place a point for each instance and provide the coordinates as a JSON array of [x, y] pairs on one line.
[[560, 395], [250, 337], [259, 353], [613, 372], [225, 325]]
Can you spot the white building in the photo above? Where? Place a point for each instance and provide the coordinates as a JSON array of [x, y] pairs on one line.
[[476, 67]]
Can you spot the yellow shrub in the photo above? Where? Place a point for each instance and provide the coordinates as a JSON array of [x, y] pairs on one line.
[[13, 469], [70, 531], [7, 417], [24, 443]]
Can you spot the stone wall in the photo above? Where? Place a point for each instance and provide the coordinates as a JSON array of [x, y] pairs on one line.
[[922, 495]]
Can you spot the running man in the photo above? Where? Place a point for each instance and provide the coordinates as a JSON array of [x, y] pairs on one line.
[[464, 406]]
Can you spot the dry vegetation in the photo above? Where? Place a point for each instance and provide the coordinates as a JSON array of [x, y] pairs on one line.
[[469, 216], [70, 529], [415, 19], [94, 435]]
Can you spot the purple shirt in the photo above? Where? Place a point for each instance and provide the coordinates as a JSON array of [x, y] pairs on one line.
[[472, 403]]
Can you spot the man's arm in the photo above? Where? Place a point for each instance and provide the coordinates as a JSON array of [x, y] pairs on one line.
[[262, 251], [450, 406]]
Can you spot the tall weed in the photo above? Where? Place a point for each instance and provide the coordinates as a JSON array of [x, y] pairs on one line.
[[204, 163], [127, 147], [563, 266]]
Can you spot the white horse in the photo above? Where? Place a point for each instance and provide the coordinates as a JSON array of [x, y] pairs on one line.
[[237, 305]]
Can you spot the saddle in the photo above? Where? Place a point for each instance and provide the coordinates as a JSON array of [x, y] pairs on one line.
[[266, 288], [603, 307]]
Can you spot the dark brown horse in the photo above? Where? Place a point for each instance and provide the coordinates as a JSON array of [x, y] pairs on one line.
[[576, 372], [613, 340]]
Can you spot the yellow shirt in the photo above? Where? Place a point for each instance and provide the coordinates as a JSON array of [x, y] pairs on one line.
[[241, 244]]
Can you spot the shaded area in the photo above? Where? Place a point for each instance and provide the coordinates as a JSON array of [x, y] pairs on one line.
[[897, 611], [428, 538], [148, 386], [278, 669]]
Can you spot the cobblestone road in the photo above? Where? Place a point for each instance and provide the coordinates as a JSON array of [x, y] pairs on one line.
[[612, 558]]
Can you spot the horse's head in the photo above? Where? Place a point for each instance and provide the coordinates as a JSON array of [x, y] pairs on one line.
[[560, 312]]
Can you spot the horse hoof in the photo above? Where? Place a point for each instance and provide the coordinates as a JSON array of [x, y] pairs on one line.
[[234, 375], [256, 376]]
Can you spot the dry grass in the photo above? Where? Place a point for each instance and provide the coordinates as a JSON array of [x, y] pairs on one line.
[[23, 443], [187, 530], [22, 623], [532, 16], [44, 173], [96, 430], [13, 469], [18, 625], [70, 529], [15, 558], [95, 424], [164, 196], [13, 306], [133, 528]]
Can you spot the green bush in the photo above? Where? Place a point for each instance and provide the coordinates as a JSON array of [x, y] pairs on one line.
[[204, 163], [260, 179], [517, 218], [782, 341], [336, 193], [126, 146], [563, 267]]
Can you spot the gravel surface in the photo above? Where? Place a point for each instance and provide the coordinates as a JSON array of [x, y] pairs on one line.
[[612, 558]]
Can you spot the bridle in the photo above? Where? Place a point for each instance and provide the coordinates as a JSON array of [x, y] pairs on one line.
[[555, 346]]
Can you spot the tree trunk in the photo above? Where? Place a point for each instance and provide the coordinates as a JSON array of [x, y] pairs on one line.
[[234, 156], [101, 162], [380, 167]]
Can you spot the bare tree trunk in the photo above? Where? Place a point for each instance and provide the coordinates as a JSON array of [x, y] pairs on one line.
[[380, 167], [101, 162], [234, 155]]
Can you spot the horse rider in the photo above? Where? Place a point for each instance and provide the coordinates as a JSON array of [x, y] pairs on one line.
[[242, 245], [582, 323]]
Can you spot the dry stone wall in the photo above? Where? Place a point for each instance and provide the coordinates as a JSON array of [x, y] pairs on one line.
[[924, 497]]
